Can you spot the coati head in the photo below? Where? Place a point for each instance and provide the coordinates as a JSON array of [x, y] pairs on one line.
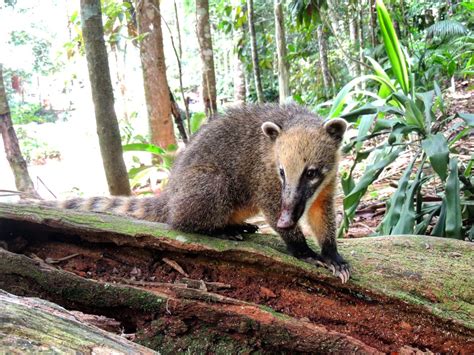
[[306, 159]]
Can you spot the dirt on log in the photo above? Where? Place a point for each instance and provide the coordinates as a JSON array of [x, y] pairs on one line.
[[175, 291]]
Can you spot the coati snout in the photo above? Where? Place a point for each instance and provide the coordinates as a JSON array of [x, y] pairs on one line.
[[302, 166]]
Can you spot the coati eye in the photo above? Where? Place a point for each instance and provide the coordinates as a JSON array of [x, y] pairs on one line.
[[312, 173], [282, 173]]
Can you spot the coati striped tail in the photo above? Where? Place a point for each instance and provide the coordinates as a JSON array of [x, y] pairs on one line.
[[146, 208]]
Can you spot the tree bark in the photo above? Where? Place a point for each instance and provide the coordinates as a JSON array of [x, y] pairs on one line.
[[323, 54], [240, 92], [354, 36], [12, 147], [155, 81], [253, 43], [203, 29], [239, 80], [283, 66], [168, 285], [373, 24], [103, 97]]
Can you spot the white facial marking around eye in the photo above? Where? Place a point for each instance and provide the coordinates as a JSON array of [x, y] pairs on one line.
[[325, 170]]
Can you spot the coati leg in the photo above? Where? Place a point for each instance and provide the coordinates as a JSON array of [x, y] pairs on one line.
[[294, 238], [321, 218]]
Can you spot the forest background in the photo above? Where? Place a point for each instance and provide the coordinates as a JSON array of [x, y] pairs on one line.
[[399, 72]]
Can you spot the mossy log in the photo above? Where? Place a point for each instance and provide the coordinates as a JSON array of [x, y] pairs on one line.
[[32, 325], [178, 291]]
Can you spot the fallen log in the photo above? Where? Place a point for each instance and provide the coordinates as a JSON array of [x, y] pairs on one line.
[[32, 325], [179, 291]]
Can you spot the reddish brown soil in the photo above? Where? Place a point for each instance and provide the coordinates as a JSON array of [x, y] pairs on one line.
[[377, 321]]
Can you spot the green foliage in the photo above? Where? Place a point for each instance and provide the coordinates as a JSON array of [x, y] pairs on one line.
[[34, 150], [197, 120], [146, 174], [40, 50], [446, 29], [27, 113], [408, 120]]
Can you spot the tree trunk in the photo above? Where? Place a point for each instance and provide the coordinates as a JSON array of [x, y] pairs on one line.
[[184, 291], [253, 42], [239, 80], [12, 148], [240, 91], [203, 29], [103, 97], [373, 24], [155, 81], [354, 36], [323, 54], [283, 66]]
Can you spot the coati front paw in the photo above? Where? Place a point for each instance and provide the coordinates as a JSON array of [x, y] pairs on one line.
[[339, 269], [337, 265], [234, 232]]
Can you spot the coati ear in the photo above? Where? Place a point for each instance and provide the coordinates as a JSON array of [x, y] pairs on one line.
[[271, 130], [336, 128]]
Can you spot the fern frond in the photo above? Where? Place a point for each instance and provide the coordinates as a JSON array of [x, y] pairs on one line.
[[446, 30]]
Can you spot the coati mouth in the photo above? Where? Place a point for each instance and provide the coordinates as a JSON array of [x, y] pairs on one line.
[[290, 215]]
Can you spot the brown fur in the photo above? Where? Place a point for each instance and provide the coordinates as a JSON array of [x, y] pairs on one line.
[[230, 171]]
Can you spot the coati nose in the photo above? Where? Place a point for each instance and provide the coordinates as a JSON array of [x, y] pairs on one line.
[[285, 221]]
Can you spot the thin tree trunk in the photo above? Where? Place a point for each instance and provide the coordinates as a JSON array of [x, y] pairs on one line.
[[373, 24], [103, 97], [240, 91], [178, 118], [360, 16], [337, 25], [12, 148], [239, 80], [203, 29], [323, 53], [181, 88], [154, 74], [253, 42], [283, 67], [354, 35]]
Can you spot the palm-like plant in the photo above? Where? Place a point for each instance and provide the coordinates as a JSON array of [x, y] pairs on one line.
[[407, 118]]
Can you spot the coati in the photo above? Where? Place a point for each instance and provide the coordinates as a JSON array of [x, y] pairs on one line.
[[280, 160]]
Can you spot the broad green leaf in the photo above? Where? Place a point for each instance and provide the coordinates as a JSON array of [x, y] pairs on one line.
[[429, 213], [142, 147], [384, 90], [460, 135], [453, 202], [436, 148], [355, 114], [364, 126], [439, 97], [383, 159], [399, 130], [467, 117], [197, 119], [339, 101], [467, 172], [394, 206], [439, 228], [427, 99], [406, 222], [392, 47]]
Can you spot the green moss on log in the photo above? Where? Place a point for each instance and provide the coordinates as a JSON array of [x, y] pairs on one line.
[[428, 271]]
